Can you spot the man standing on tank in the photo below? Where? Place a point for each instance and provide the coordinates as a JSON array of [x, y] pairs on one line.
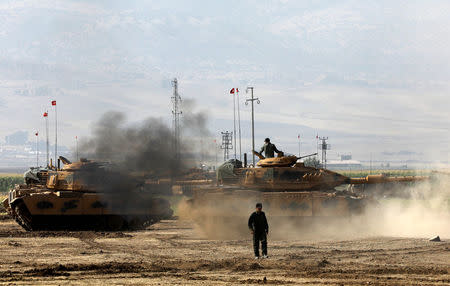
[[257, 223], [269, 149]]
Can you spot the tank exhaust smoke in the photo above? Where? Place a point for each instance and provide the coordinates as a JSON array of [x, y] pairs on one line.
[[144, 146]]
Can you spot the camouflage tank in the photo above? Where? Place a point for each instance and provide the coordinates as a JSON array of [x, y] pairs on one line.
[[82, 195], [287, 189]]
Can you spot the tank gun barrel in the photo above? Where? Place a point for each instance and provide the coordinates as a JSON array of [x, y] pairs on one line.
[[379, 179], [306, 156], [261, 157], [166, 181]]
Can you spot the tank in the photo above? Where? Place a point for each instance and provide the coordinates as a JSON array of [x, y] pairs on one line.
[[288, 190], [85, 195]]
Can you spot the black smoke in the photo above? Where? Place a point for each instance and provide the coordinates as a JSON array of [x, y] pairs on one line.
[[143, 147], [146, 147]]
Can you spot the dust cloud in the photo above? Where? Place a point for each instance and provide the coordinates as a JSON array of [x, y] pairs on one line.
[[424, 213]]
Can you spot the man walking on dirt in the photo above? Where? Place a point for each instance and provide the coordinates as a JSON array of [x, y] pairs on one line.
[[257, 223], [269, 149]]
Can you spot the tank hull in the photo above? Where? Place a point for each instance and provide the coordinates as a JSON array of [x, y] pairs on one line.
[[39, 208], [223, 212], [293, 204]]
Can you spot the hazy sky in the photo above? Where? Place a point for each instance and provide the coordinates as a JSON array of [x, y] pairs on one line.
[[371, 75]]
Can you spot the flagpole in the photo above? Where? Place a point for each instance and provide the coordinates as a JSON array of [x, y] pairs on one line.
[[37, 149], [299, 145], [234, 122], [76, 139], [239, 124], [46, 134], [56, 132]]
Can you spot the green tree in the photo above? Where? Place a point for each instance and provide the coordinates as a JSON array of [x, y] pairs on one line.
[[8, 182]]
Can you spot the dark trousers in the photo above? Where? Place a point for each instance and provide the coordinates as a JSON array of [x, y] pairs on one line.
[[257, 237]]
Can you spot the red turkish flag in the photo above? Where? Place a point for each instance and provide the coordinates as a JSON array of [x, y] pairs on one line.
[[317, 136], [232, 91], [53, 102], [45, 114], [237, 89]]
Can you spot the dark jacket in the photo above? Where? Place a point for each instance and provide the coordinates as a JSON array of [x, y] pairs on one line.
[[258, 222], [269, 150]]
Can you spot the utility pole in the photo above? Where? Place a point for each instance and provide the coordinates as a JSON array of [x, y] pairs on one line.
[[176, 112], [252, 100], [324, 147], [227, 144]]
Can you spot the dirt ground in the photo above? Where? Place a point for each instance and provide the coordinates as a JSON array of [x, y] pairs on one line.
[[173, 253]]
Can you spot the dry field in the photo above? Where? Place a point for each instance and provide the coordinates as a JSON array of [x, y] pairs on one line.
[[173, 253]]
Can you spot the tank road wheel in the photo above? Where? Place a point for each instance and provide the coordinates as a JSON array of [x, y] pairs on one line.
[[16, 217], [134, 223], [115, 223], [23, 216]]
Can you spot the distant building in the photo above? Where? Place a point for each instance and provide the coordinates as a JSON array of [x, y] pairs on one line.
[[346, 157], [344, 164]]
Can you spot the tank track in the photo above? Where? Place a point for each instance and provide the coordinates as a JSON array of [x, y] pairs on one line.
[[82, 222], [22, 215]]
